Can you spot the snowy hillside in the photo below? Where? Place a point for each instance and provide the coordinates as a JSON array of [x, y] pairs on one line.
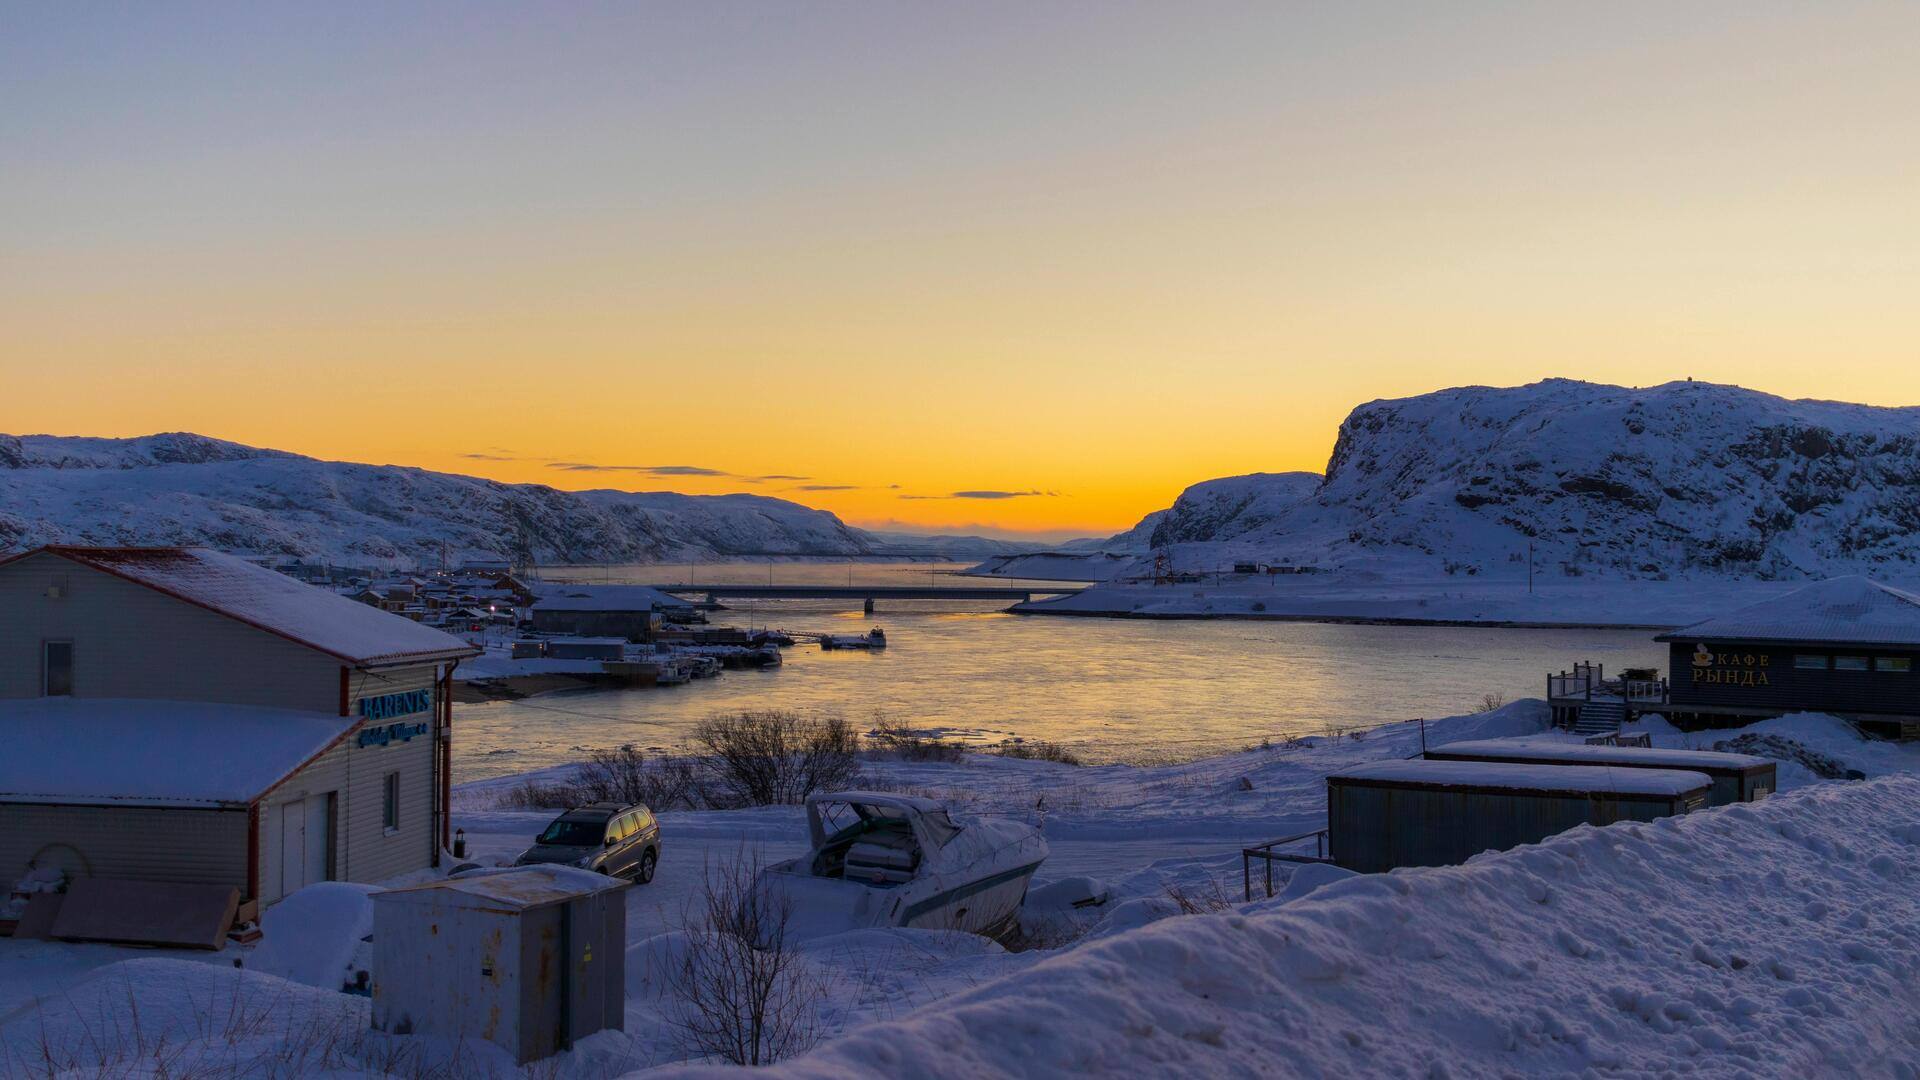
[[188, 489], [1674, 480], [1231, 507]]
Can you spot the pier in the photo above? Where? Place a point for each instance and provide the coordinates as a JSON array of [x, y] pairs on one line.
[[868, 594]]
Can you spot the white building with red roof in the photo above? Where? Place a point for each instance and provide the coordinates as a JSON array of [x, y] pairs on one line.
[[176, 714]]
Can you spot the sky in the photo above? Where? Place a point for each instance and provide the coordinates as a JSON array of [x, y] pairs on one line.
[[1025, 268]]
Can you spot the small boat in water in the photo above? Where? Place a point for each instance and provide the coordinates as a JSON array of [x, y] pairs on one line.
[[880, 859], [875, 638]]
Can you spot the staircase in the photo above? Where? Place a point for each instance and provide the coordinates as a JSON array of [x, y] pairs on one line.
[[1600, 718]]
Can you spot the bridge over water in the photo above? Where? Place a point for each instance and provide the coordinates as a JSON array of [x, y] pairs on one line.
[[867, 594]]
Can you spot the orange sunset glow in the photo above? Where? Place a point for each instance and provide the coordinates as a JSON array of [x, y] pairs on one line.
[[1016, 268]]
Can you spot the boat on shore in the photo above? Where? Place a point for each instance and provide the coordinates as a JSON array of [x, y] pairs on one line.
[[880, 859]]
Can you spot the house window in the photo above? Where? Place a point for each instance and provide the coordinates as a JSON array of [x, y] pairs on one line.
[[1808, 662], [1892, 663], [390, 804], [56, 668], [1849, 663]]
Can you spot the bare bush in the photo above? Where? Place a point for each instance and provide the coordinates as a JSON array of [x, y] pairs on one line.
[[1039, 750], [534, 795], [624, 776], [1199, 900], [774, 757], [895, 739], [1489, 702], [744, 991]]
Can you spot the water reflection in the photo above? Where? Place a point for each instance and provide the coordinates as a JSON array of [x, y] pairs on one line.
[[1116, 689]]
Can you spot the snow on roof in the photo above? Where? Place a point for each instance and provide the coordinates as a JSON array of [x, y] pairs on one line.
[[1554, 750], [127, 752], [603, 598], [586, 641], [1851, 609], [1569, 778], [516, 887], [271, 601]]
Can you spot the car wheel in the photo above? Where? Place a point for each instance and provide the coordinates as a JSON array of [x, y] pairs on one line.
[[644, 872]]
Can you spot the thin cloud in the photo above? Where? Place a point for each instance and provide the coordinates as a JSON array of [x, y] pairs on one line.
[[772, 477], [978, 494], [489, 457], [826, 487], [650, 470]]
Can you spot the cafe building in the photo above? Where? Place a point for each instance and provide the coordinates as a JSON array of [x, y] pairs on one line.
[[180, 715], [1845, 646]]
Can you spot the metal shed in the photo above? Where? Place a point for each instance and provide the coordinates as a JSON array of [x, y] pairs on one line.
[[1436, 813], [586, 648], [1736, 777], [530, 958]]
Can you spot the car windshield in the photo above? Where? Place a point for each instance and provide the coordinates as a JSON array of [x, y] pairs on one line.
[[574, 833]]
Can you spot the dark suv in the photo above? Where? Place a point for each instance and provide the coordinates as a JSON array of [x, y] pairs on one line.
[[609, 838]]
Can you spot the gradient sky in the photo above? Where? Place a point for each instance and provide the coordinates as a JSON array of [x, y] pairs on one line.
[[1059, 259]]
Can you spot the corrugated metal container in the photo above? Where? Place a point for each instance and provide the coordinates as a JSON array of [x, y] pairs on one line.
[[532, 959], [585, 648], [1437, 813], [1736, 777]]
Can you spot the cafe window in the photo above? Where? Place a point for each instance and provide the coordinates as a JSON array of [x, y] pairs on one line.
[[1809, 662], [1849, 663], [56, 668], [1892, 663]]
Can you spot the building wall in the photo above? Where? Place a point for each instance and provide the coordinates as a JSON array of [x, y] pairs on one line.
[[133, 642], [1372, 828], [632, 625], [1764, 678], [132, 843], [363, 850]]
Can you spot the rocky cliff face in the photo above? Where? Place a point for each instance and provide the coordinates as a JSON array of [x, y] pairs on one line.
[[188, 489], [1685, 478]]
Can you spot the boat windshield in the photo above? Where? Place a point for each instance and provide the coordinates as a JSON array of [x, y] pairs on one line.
[[564, 833]]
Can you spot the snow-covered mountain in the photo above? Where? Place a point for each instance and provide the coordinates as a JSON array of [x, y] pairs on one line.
[[188, 489], [1231, 507], [1681, 479]]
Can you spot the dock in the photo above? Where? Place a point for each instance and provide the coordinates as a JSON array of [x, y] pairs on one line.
[[869, 594]]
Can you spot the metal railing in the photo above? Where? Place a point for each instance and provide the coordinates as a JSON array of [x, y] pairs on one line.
[[1266, 854]]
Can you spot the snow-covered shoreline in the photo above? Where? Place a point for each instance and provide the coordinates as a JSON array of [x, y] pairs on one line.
[[1147, 841], [1366, 598]]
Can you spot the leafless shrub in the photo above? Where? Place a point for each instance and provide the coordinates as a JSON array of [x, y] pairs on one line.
[[774, 757], [1489, 702], [744, 992], [1199, 900], [623, 776], [892, 738], [535, 795], [1039, 750]]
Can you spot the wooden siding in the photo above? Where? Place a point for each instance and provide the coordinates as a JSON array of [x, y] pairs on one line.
[[133, 642], [363, 850], [1786, 688], [133, 843]]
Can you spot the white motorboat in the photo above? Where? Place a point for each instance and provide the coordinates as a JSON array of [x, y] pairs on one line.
[[880, 860]]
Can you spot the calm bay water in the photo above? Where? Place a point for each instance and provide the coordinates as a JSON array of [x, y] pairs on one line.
[[1114, 689]]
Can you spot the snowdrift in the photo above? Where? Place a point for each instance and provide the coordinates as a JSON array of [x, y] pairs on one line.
[[1773, 939]]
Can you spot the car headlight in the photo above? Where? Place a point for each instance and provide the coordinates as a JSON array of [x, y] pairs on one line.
[[585, 862]]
